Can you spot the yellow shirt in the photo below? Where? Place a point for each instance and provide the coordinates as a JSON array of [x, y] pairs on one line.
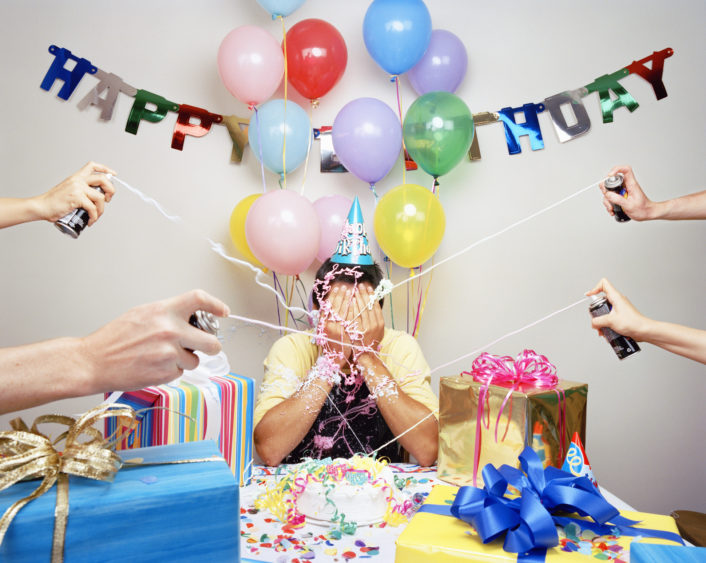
[[288, 363]]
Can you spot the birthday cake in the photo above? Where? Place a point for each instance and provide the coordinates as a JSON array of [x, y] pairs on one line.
[[346, 493]]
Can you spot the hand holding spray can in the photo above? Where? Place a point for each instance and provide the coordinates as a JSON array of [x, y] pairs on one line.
[[73, 223], [616, 185], [623, 346]]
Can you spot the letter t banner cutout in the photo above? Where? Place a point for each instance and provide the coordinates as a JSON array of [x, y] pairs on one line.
[[71, 78], [184, 127], [513, 130], [138, 112]]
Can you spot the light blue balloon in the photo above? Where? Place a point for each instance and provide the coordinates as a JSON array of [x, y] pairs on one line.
[[271, 127], [280, 7], [397, 33]]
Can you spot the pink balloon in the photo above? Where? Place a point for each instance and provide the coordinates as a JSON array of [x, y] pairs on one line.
[[332, 211], [251, 64], [282, 230]]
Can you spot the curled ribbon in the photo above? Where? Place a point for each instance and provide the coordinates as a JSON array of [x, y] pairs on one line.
[[26, 453], [528, 522], [529, 368]]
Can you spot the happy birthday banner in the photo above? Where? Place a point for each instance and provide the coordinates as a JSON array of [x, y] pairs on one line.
[[196, 122]]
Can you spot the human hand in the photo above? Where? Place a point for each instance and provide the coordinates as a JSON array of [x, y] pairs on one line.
[[78, 190], [335, 314], [623, 318], [635, 203], [149, 345], [371, 321]]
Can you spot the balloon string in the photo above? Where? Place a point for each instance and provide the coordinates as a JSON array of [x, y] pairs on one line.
[[284, 128], [259, 146], [399, 111], [498, 233], [279, 318], [389, 297], [308, 148]]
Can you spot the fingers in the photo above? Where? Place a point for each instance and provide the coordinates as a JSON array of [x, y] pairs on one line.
[[187, 304], [187, 360], [91, 166], [102, 181], [192, 338], [598, 287]]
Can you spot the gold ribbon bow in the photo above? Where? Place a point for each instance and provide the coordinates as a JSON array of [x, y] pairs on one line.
[[28, 454]]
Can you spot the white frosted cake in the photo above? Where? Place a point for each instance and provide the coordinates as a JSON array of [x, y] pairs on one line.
[[351, 492]]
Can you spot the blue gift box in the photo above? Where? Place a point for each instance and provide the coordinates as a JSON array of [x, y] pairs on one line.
[[171, 512]]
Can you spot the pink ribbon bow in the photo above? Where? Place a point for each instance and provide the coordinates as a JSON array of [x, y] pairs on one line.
[[529, 368]]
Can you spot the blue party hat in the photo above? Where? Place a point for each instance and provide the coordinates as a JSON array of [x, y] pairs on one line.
[[353, 248]]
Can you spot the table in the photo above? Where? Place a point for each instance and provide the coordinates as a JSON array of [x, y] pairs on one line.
[[264, 538]]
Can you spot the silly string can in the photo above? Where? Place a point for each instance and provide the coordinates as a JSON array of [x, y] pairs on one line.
[[205, 321], [73, 223], [615, 184], [623, 346]]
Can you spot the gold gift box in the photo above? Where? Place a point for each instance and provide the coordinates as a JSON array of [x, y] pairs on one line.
[[530, 417]]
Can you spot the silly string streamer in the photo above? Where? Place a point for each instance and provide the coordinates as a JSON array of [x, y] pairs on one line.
[[384, 288]]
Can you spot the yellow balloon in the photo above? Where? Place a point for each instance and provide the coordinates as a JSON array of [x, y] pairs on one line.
[[237, 229], [409, 224]]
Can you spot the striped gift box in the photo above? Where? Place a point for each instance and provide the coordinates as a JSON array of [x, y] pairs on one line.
[[164, 424]]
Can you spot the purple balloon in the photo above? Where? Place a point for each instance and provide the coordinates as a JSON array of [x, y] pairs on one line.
[[442, 67], [367, 138]]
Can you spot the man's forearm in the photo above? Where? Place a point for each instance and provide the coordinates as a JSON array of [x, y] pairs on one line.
[[39, 373], [401, 412], [284, 426]]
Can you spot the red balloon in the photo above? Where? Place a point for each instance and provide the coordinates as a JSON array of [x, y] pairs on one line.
[[316, 57]]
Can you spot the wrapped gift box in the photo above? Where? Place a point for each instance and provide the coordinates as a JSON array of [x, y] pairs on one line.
[[437, 537], [165, 425], [530, 416], [170, 512]]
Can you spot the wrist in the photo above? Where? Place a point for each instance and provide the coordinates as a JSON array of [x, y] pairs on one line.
[[36, 210], [657, 210]]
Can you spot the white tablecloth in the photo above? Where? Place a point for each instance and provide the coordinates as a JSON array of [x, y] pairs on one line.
[[264, 538]]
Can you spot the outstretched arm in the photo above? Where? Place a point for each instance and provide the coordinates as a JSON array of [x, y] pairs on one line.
[[625, 319], [74, 192], [641, 208], [149, 345]]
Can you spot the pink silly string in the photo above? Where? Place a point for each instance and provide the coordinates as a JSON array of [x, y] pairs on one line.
[[529, 368]]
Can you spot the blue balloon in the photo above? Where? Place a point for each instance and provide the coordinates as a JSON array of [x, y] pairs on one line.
[[273, 130], [280, 7], [397, 33]]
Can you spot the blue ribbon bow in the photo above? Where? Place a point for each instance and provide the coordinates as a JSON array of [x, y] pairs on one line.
[[528, 522]]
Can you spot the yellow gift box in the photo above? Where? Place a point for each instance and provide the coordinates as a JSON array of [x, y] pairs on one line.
[[542, 418], [436, 538]]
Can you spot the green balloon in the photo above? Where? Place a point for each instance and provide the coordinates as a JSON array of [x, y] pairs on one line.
[[438, 131]]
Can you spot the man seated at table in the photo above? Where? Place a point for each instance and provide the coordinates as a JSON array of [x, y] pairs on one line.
[[354, 386]]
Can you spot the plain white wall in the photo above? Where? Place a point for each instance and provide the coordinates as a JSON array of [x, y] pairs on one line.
[[645, 435]]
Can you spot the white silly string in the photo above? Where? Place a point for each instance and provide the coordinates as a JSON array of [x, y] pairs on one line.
[[381, 290], [217, 247], [489, 237]]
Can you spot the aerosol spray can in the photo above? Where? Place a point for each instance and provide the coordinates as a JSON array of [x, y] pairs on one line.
[[205, 321], [615, 184], [623, 346], [73, 223]]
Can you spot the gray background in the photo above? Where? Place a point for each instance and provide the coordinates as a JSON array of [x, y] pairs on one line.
[[645, 421]]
